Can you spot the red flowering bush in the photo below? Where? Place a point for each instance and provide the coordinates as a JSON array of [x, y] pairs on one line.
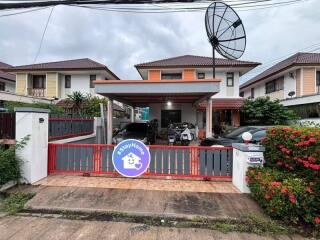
[[288, 187], [294, 149], [285, 196]]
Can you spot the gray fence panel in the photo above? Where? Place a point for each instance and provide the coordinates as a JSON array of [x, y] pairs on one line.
[[230, 161], [179, 161], [158, 160], [203, 160], [152, 160], [210, 162], [224, 162], [187, 161], [172, 161], [216, 163], [165, 160], [104, 156]]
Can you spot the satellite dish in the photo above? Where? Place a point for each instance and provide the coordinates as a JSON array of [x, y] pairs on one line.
[[291, 94], [225, 31]]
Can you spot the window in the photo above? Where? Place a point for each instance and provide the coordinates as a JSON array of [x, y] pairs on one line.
[[92, 78], [241, 94], [2, 86], [38, 82], [67, 81], [201, 75], [275, 85], [230, 79], [170, 76], [252, 92], [170, 116]]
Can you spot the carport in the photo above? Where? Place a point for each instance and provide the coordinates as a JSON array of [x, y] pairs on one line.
[[144, 93]]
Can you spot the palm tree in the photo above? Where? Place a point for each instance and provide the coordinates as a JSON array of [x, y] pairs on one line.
[[77, 98]]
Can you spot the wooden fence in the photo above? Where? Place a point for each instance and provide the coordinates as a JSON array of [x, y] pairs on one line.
[[7, 125]]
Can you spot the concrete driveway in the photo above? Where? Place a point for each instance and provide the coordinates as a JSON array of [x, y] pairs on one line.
[[33, 228]]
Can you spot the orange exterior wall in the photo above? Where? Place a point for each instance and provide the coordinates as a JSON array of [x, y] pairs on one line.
[[189, 74], [154, 75], [309, 81], [298, 83]]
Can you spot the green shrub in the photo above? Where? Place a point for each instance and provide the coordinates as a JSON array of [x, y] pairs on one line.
[[284, 195], [10, 163], [294, 149]]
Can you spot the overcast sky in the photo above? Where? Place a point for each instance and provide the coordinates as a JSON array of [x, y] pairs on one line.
[[121, 40]]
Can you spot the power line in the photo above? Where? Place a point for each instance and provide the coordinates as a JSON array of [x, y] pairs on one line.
[[43, 34], [144, 3]]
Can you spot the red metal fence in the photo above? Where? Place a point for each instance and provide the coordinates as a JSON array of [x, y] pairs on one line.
[[61, 127], [7, 125], [175, 161]]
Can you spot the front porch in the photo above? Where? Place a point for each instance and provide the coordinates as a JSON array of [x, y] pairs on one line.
[[178, 98]]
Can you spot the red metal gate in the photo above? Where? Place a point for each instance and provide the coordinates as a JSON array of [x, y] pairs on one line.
[[174, 161]]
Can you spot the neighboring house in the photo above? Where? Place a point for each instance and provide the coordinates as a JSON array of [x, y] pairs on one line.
[[58, 79], [182, 89], [7, 80], [226, 102], [295, 81]]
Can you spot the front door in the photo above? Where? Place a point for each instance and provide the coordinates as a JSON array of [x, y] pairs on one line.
[[170, 116]]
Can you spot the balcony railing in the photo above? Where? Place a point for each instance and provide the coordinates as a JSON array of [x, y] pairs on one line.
[[36, 92]]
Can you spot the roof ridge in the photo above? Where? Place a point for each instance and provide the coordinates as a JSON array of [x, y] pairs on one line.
[[68, 60]]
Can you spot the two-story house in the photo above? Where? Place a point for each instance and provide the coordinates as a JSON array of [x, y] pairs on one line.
[[7, 80], [58, 79], [295, 81], [182, 89]]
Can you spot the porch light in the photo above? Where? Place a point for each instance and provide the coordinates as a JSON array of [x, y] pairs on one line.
[[169, 103]]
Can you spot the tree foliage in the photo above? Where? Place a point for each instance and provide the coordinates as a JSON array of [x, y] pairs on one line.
[[10, 105], [264, 111]]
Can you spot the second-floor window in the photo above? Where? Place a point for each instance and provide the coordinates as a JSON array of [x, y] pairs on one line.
[[230, 79], [2, 86], [171, 76], [252, 92], [201, 75], [38, 81], [92, 78], [275, 85], [67, 81]]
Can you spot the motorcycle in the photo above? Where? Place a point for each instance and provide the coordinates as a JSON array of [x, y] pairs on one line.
[[185, 136], [172, 135]]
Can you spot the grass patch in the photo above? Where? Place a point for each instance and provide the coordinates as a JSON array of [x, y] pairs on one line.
[[15, 202]]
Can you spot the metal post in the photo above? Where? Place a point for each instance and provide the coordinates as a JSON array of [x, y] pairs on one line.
[[109, 121], [132, 115], [209, 118], [213, 62]]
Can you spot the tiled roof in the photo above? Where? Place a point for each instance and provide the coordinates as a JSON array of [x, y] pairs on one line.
[[199, 61], [4, 75], [224, 103], [296, 59], [75, 64]]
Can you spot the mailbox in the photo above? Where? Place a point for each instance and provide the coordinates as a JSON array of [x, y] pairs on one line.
[[245, 156]]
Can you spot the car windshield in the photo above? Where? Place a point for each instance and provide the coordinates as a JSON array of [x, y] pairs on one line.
[[136, 127], [237, 132]]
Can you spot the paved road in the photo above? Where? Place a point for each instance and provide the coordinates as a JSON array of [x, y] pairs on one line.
[[24, 228]]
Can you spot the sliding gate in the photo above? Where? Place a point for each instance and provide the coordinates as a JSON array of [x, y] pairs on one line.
[[175, 161]]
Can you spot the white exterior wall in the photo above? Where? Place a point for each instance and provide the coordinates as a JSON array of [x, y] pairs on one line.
[[188, 112], [9, 86], [79, 82], [289, 85], [225, 92]]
